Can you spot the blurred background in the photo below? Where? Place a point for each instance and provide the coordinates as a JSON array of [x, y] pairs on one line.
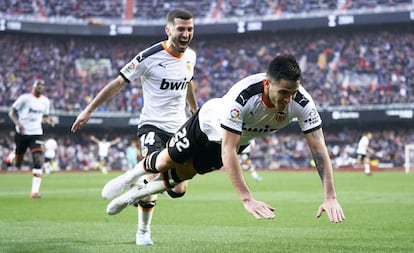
[[357, 58]]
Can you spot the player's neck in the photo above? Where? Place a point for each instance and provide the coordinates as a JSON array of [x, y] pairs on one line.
[[171, 49]]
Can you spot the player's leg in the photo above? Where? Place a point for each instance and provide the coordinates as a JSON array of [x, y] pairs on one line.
[[37, 172], [22, 143], [189, 152], [47, 166], [103, 160], [146, 207], [367, 166], [10, 158], [151, 139], [172, 173]]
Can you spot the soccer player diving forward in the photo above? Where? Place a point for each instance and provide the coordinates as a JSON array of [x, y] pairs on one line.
[[212, 138]]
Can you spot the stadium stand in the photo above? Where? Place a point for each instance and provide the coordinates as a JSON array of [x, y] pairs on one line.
[[207, 11], [339, 68], [352, 67]]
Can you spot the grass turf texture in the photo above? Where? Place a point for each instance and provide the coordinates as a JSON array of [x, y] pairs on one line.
[[71, 217]]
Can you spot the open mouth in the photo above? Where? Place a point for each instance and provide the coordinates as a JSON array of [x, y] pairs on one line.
[[183, 43]]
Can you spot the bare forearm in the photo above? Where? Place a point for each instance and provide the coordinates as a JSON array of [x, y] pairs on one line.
[[322, 161], [325, 171], [235, 174]]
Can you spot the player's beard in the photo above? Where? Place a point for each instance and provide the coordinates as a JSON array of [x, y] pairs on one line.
[[38, 93], [181, 45]]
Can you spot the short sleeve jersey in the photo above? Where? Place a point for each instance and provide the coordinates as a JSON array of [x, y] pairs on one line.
[[164, 78], [50, 148], [31, 110], [363, 145], [242, 111]]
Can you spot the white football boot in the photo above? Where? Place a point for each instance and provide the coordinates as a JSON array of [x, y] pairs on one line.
[[143, 238], [134, 194], [117, 185], [126, 199]]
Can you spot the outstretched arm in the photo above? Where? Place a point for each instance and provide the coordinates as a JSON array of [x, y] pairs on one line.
[[115, 141], [94, 139], [316, 142], [109, 91], [230, 145]]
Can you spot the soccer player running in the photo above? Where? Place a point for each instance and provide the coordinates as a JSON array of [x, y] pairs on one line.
[[166, 71], [256, 106], [50, 147], [364, 151], [28, 113]]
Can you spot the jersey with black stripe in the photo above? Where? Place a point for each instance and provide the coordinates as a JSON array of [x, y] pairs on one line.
[[164, 78], [242, 111], [30, 110]]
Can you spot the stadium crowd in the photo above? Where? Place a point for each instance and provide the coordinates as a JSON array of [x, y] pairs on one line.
[[285, 150], [347, 68], [341, 67], [202, 9]]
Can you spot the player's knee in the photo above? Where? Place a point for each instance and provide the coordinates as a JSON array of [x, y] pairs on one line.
[[37, 172], [171, 178], [37, 160], [145, 204], [174, 194]]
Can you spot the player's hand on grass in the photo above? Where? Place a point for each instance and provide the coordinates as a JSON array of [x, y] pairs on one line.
[[80, 121], [259, 209], [332, 209]]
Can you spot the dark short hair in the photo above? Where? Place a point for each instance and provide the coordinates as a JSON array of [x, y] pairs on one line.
[[178, 13], [284, 67], [39, 81]]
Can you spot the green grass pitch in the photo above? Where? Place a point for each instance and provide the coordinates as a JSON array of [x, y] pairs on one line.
[[71, 216]]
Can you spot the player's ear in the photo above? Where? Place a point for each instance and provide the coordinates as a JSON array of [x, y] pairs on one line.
[[167, 30], [266, 83]]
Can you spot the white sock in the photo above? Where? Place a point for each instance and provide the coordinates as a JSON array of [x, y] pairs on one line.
[[36, 180], [48, 167], [145, 218], [367, 168]]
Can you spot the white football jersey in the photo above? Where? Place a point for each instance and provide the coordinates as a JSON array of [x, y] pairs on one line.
[[30, 110], [363, 145], [164, 78], [242, 111], [50, 148], [103, 148]]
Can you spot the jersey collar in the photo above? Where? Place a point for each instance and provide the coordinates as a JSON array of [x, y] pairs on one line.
[[266, 104], [164, 45]]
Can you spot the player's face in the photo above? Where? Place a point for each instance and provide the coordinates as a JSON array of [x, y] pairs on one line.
[[180, 34], [280, 93], [38, 88]]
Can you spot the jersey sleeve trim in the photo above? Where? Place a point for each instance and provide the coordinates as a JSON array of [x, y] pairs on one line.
[[249, 92], [231, 130], [150, 51], [124, 77], [312, 129]]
